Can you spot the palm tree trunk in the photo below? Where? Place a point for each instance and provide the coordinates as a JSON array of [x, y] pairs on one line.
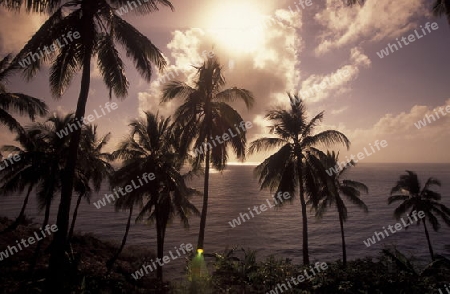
[[56, 274], [39, 244], [110, 263], [446, 4], [428, 240], [304, 215], [19, 219], [201, 234], [74, 217], [344, 250], [160, 244]]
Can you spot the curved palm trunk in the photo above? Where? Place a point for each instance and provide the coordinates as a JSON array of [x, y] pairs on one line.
[[304, 213], [110, 263], [74, 217], [20, 218], [39, 244], [201, 234], [57, 265], [344, 250], [428, 240]]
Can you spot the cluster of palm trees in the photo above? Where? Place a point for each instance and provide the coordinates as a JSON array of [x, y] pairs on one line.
[[76, 163]]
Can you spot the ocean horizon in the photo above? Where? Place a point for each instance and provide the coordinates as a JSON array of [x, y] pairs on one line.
[[276, 231]]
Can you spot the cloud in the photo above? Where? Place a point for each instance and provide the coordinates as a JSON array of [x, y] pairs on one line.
[[14, 37], [374, 21], [406, 143], [267, 70], [319, 87], [339, 111], [405, 122]]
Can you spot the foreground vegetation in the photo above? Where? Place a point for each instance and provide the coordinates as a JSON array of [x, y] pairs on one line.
[[232, 271], [76, 164]]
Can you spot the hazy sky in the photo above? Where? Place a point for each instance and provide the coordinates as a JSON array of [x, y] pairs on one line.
[[364, 96]]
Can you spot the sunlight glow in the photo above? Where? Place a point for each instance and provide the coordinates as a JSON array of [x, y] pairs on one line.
[[237, 26]]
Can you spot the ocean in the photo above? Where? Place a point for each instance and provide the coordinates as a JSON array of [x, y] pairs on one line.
[[275, 231]]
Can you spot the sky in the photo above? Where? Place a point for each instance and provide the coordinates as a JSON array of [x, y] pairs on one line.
[[323, 50]]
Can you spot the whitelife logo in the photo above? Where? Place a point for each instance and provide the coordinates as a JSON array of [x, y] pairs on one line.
[[128, 188], [11, 158], [237, 221], [423, 123], [71, 127], [338, 167], [53, 47], [244, 126], [31, 240], [411, 38], [165, 260], [398, 227]]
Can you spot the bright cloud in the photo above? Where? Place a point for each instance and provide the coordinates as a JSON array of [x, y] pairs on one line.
[[374, 21]]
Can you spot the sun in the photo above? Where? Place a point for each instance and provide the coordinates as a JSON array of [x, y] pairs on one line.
[[237, 26]]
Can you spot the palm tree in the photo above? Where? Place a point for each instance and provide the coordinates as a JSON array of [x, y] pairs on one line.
[[41, 162], [21, 103], [152, 147], [424, 199], [92, 167], [41, 165], [98, 28], [332, 187], [284, 170], [204, 115], [442, 7], [22, 174]]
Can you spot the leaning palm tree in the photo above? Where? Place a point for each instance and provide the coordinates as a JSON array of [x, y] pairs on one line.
[[21, 103], [332, 187], [94, 29], [25, 173], [42, 155], [413, 197], [153, 147], [284, 170], [204, 115], [93, 167]]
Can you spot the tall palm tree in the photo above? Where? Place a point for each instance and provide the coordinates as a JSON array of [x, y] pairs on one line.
[[21, 103], [204, 115], [152, 147], [413, 197], [98, 28], [332, 188], [284, 170], [93, 167]]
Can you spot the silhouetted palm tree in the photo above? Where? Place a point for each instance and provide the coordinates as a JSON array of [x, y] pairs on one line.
[[284, 170], [205, 114], [92, 167], [98, 29], [424, 199], [23, 173], [153, 148], [21, 103], [442, 7], [332, 188], [40, 164]]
